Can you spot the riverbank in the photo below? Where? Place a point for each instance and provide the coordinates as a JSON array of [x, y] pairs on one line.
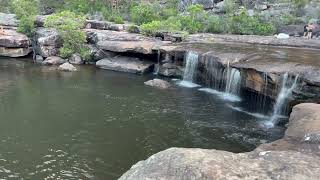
[[295, 156]]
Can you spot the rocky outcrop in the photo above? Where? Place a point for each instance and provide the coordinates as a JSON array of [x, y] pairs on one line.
[[292, 157], [14, 44], [53, 60], [67, 67], [122, 41], [158, 83], [125, 64], [48, 42]]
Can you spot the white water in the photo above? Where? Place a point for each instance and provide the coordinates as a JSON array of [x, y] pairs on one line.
[[233, 80], [222, 95], [157, 66], [190, 71], [257, 115], [285, 93]]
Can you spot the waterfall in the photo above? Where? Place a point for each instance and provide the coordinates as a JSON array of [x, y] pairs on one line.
[[190, 71], [191, 66], [157, 66], [286, 91], [233, 80]]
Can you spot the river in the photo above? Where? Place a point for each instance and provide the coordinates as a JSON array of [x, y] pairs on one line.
[[95, 124]]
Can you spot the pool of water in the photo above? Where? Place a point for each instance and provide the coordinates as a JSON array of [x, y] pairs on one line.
[[95, 124]]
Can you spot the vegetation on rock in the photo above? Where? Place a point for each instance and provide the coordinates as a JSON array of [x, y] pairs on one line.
[[69, 26]]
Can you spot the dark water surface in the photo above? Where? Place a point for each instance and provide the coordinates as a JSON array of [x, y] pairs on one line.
[[95, 124]]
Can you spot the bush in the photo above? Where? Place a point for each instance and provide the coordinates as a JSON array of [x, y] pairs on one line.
[[216, 24], [26, 11], [142, 13], [69, 26], [244, 24], [172, 25], [194, 21]]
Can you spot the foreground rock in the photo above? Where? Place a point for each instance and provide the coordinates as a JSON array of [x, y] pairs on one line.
[[14, 44], [53, 60], [125, 64], [158, 83], [294, 159], [67, 67]]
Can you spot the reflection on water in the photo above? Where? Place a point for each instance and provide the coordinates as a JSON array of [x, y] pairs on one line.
[[95, 124]]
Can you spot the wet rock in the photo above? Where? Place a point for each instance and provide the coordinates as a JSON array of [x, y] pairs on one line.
[[39, 59], [53, 60], [125, 64], [158, 83], [76, 59], [98, 54], [40, 19], [170, 70], [48, 42], [67, 67], [14, 44], [14, 52], [289, 158]]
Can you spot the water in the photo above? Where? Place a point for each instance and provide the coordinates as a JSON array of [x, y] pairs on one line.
[[90, 125], [190, 71], [285, 93], [233, 80]]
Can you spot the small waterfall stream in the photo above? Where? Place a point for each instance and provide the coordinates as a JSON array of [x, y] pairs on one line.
[[190, 70], [286, 91], [233, 80]]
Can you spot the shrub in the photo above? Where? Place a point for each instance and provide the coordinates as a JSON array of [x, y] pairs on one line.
[[194, 21], [142, 13], [26, 11], [216, 24], [172, 25], [69, 27], [244, 24]]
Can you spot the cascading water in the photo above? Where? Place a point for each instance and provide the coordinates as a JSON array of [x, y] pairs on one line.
[[157, 66], [233, 80], [190, 70], [286, 91], [224, 81], [191, 66]]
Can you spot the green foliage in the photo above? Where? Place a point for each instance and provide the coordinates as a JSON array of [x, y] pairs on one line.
[[216, 24], [172, 25], [143, 13], [5, 6], [300, 3], [194, 21], [26, 11], [244, 24], [230, 6], [69, 27]]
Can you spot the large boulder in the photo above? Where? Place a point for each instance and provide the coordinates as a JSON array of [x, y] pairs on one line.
[[122, 41], [53, 60], [48, 42], [296, 156], [158, 83], [125, 64], [14, 44]]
